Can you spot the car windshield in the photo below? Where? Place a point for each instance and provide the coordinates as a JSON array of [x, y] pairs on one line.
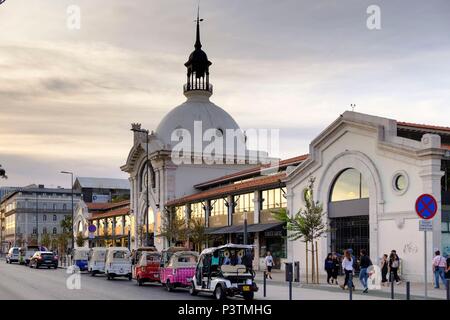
[[47, 255], [153, 258], [15, 251]]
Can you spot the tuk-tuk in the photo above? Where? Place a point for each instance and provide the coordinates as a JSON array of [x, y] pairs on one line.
[[96, 261], [225, 271], [147, 269], [179, 270], [80, 258], [167, 253], [118, 263]]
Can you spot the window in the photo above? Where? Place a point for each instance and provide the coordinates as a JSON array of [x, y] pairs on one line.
[[197, 210], [244, 203], [349, 185], [218, 207], [54, 206], [55, 218], [180, 212], [44, 217], [44, 230], [34, 230], [55, 230], [400, 182], [64, 206], [273, 198]]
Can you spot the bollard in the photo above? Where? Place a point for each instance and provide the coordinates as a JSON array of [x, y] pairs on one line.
[[408, 290], [264, 283], [392, 286], [289, 277], [290, 290], [350, 286], [448, 289]]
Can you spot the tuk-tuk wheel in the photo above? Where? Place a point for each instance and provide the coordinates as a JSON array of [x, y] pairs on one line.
[[248, 295], [169, 286], [130, 277], [192, 290], [219, 294], [108, 276]]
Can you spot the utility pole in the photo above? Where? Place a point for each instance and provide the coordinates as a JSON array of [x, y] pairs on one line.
[[71, 187]]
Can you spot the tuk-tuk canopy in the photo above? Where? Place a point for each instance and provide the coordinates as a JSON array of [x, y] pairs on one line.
[[182, 259], [149, 257], [121, 253], [81, 253], [97, 254], [175, 249], [227, 246]]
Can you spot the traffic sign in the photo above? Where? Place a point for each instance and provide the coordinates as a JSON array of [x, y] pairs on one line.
[[92, 228], [426, 206], [91, 235], [425, 225]]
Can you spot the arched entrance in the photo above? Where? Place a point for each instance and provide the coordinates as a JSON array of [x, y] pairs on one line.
[[348, 212]]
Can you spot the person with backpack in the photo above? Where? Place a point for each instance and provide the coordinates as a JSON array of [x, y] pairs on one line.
[[394, 264], [364, 264], [329, 267], [439, 267]]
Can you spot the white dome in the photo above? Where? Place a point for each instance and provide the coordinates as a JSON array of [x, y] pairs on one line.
[[197, 107]]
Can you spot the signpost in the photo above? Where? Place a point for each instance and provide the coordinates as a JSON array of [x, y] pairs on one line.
[[426, 209]]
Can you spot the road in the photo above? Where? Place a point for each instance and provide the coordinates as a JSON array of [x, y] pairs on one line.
[[19, 282]]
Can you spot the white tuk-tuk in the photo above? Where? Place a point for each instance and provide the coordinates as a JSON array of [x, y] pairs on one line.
[[96, 263], [118, 263], [80, 258]]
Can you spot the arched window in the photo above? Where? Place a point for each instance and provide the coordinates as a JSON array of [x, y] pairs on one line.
[[54, 230], [44, 217], [54, 217], [143, 177], [349, 185]]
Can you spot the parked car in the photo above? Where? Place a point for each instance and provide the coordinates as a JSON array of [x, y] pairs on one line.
[[118, 263], [179, 270], [148, 267], [96, 260], [44, 259], [80, 258], [225, 271], [12, 255]]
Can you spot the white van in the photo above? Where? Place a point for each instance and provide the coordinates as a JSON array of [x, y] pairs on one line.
[[96, 263], [118, 263], [13, 255]]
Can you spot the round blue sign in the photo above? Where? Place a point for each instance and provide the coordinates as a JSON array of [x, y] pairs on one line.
[[426, 206], [92, 228]]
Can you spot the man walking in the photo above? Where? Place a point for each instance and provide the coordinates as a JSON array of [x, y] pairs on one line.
[[439, 268], [364, 265]]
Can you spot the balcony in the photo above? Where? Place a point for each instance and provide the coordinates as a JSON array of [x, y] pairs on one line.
[[198, 87]]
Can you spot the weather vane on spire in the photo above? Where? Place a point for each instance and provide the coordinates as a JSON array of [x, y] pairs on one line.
[[198, 44]]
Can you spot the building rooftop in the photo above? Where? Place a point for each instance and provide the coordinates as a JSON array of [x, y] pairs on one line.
[[103, 183]]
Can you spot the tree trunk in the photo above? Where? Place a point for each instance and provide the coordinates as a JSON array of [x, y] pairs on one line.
[[313, 268], [306, 250], [317, 263]]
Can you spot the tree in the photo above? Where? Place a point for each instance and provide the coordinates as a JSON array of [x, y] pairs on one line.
[[46, 241], [66, 225], [173, 228], [3, 173], [197, 234], [307, 224], [80, 240]]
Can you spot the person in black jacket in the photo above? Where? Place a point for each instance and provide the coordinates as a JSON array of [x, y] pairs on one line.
[[364, 264], [329, 267], [336, 269]]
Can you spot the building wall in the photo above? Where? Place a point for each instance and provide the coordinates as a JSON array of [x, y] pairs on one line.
[[369, 145]]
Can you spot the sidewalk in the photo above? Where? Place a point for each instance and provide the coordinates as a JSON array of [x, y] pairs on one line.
[[277, 288]]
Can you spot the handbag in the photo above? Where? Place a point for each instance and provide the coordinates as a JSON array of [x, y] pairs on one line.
[[436, 268]]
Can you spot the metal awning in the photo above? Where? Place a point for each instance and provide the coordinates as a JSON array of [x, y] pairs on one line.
[[252, 228], [211, 230]]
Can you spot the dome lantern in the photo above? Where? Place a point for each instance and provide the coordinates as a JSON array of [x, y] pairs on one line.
[[198, 67]]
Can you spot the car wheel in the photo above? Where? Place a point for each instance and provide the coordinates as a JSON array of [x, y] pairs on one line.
[[248, 295], [219, 294], [108, 276], [192, 290], [169, 287]]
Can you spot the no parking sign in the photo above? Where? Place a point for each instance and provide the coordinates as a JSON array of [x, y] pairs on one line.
[[426, 206]]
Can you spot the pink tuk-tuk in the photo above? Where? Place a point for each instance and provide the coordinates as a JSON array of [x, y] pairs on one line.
[[179, 270]]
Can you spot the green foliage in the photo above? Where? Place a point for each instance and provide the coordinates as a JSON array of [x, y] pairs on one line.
[[308, 223], [173, 228], [46, 241], [3, 173], [197, 232], [66, 225], [80, 240]]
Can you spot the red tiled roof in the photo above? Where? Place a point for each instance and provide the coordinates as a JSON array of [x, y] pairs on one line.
[[230, 189], [445, 146], [106, 206], [252, 171], [111, 213], [422, 126]]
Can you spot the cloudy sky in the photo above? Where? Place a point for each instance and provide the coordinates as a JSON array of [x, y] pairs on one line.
[[67, 97]]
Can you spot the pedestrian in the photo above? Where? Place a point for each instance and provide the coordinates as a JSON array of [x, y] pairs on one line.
[[365, 263], [268, 261], [384, 266], [439, 268], [329, 267], [447, 274], [335, 270], [347, 265], [394, 264]]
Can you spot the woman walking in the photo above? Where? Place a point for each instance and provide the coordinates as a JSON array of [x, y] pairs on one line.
[[384, 266], [394, 264], [329, 267], [347, 265], [335, 270], [268, 261]]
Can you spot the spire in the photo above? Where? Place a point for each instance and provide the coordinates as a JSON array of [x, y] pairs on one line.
[[198, 44]]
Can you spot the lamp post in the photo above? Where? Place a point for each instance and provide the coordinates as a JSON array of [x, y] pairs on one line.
[[37, 218], [147, 205], [71, 187], [245, 228]]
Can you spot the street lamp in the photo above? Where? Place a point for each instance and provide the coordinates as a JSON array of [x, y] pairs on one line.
[[245, 228], [146, 181], [71, 187]]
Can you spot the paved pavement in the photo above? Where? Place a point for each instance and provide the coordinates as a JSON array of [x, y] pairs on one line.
[[20, 282]]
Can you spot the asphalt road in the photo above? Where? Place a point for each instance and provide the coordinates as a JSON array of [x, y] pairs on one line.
[[20, 282]]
